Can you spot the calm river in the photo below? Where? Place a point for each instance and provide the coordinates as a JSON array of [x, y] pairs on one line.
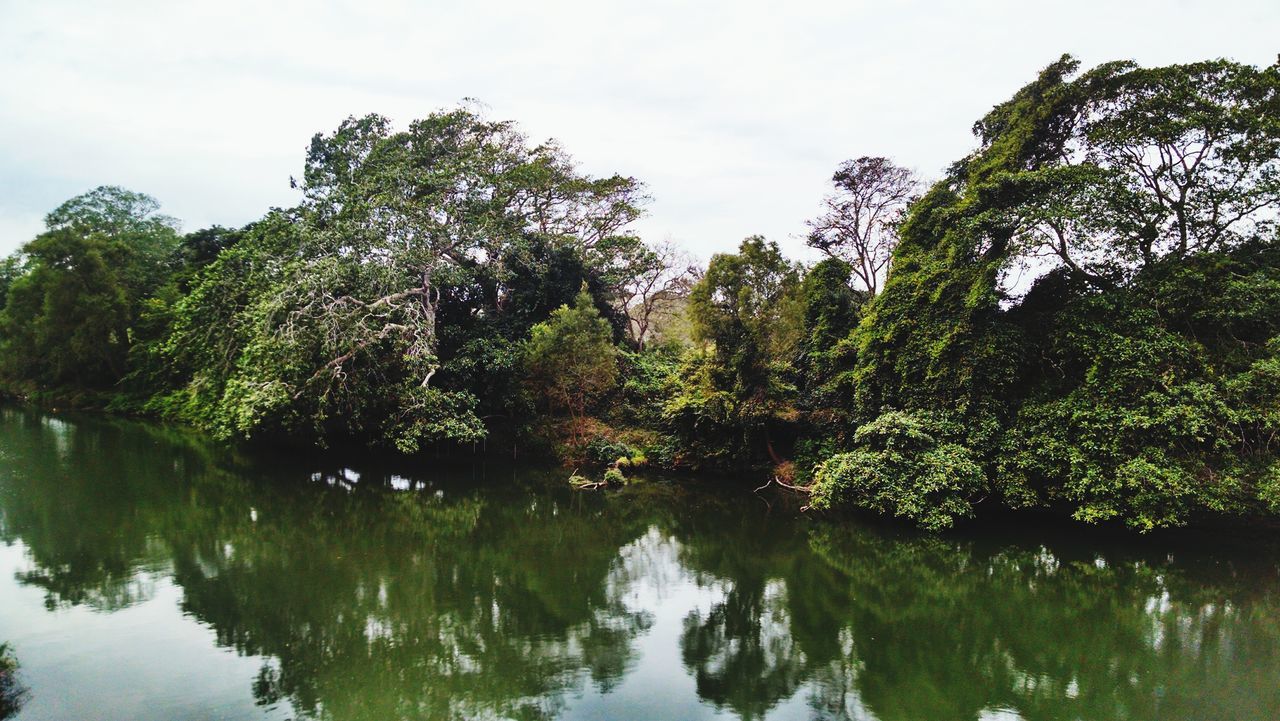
[[145, 574]]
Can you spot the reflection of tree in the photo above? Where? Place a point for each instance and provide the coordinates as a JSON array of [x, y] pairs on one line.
[[371, 604], [945, 629], [12, 694], [429, 607], [86, 520], [741, 652], [464, 598], [877, 624]]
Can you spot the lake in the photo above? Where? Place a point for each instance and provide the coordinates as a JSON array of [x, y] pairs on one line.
[[148, 574]]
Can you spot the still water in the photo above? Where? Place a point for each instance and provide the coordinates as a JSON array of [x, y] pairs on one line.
[[145, 574]]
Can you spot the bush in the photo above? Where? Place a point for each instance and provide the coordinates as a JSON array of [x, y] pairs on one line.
[[1155, 403], [603, 451], [902, 466]]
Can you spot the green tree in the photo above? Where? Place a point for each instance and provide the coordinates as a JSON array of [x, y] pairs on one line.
[[70, 319], [570, 358], [330, 317], [1102, 387], [1149, 163], [831, 312], [824, 361], [746, 314], [904, 465]]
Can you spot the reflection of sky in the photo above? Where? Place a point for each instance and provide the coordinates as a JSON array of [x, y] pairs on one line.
[[668, 593], [61, 432], [657, 684], [146, 661]]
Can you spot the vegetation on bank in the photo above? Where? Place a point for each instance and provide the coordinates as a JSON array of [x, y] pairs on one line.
[[1082, 314], [12, 693]]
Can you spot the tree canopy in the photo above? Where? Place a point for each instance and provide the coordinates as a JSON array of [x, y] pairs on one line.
[[1082, 314]]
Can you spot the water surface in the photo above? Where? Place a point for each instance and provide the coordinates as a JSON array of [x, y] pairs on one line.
[[145, 574]]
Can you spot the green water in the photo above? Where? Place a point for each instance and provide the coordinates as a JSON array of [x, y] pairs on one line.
[[147, 575]]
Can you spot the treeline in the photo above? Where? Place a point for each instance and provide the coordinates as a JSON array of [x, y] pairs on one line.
[[1082, 314]]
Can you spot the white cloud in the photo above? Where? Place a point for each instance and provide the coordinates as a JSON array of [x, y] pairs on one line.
[[734, 113]]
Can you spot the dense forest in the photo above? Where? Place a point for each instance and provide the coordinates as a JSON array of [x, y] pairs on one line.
[[1083, 314]]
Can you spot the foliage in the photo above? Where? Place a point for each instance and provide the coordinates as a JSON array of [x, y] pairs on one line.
[[570, 359], [1112, 386], [604, 451], [70, 314], [746, 313], [1167, 406], [903, 466], [452, 237], [1083, 314], [825, 359]]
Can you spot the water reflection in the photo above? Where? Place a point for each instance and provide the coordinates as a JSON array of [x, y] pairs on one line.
[[377, 593]]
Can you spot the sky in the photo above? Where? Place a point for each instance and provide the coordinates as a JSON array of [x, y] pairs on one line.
[[734, 114]]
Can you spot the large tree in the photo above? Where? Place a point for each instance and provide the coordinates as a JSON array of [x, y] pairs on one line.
[[1149, 163], [653, 290], [342, 332], [1116, 386]]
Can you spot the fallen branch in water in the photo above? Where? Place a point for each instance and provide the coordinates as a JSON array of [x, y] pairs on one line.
[[581, 483], [589, 486], [797, 489]]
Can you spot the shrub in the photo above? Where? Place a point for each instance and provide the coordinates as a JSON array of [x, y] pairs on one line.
[[901, 465], [603, 451]]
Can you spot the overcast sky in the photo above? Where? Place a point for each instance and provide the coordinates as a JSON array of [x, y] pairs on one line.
[[733, 113]]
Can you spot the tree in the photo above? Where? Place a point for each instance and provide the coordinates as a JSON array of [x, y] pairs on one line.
[[424, 206], [70, 318], [745, 311], [903, 466], [339, 323], [660, 280], [825, 357], [570, 358], [859, 224], [202, 247], [11, 269], [1116, 386], [738, 305], [1152, 163]]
